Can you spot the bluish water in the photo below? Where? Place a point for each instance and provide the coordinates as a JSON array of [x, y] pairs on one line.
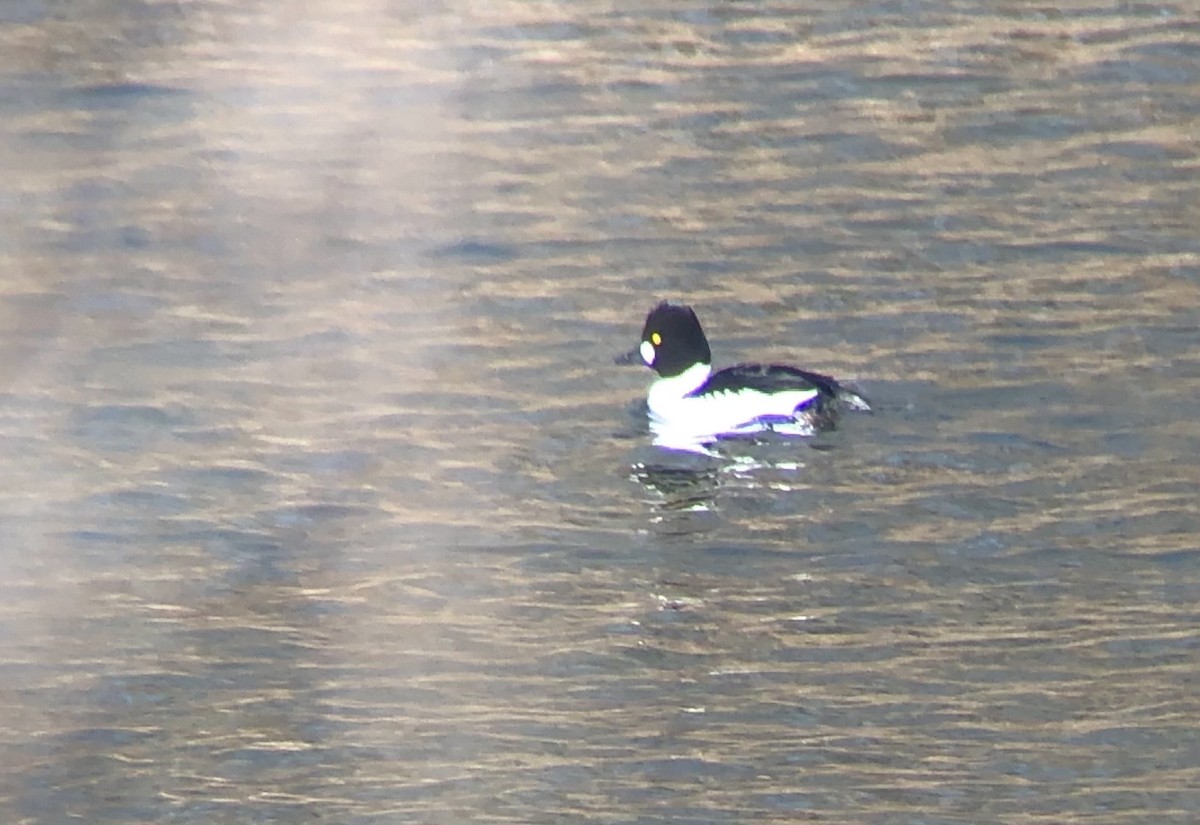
[[325, 502]]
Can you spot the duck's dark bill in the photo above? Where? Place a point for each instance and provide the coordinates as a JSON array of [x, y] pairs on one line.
[[634, 356]]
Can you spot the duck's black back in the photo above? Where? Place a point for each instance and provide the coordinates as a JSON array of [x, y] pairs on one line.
[[769, 378]]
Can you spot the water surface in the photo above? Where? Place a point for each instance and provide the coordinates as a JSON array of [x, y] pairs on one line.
[[324, 501]]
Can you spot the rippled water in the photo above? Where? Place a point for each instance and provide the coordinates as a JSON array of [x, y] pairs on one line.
[[324, 501]]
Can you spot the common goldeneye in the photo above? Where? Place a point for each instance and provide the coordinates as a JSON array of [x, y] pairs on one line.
[[692, 406]]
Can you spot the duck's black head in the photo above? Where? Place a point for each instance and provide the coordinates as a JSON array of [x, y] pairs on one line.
[[672, 341]]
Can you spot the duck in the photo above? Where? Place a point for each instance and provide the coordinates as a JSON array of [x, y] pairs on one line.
[[691, 406]]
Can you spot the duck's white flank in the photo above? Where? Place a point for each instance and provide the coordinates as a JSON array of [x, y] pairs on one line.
[[676, 417]]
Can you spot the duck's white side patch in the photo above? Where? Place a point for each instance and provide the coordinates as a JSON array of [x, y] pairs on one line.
[[677, 418]]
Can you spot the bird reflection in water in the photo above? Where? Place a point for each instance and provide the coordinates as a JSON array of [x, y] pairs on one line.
[[684, 482]]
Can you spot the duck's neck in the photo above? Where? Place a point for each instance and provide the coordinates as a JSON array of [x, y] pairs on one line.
[[667, 389]]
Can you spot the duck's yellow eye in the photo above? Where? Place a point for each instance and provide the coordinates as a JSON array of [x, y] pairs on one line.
[[655, 338]]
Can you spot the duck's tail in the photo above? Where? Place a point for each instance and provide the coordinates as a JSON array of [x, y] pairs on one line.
[[852, 400]]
